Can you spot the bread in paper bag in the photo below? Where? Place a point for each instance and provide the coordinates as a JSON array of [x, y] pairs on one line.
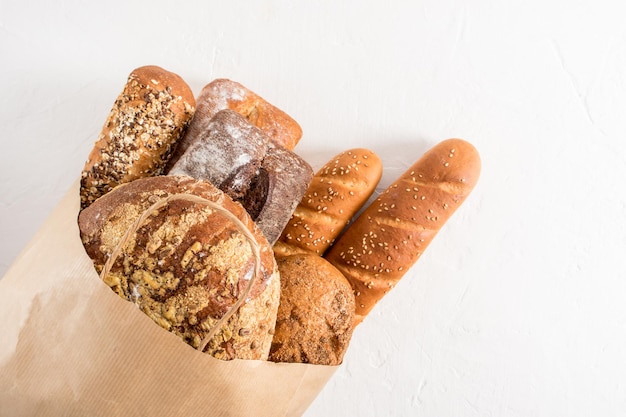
[[72, 347]]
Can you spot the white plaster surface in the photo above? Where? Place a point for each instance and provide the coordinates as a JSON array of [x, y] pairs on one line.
[[518, 306]]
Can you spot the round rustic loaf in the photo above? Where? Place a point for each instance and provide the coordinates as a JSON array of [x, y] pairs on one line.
[[188, 265], [316, 312]]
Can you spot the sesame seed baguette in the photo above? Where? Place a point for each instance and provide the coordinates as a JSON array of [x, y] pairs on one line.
[[392, 233], [336, 193], [148, 117]]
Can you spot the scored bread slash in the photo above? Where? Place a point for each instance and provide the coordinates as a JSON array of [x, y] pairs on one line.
[[336, 193], [315, 314], [391, 234]]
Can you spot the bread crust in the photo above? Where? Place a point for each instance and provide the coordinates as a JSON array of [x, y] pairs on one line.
[[141, 131], [316, 312], [336, 193], [187, 266], [391, 234]]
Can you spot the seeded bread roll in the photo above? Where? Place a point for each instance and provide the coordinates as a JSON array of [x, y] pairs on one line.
[[336, 193], [228, 154], [390, 235], [147, 119], [188, 265], [316, 312], [221, 94]]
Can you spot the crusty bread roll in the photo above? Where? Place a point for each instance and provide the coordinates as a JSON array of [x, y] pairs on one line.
[[336, 193], [316, 312], [187, 266], [221, 94], [390, 235], [140, 133]]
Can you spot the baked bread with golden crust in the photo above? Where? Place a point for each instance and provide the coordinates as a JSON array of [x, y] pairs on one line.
[[316, 312], [141, 131], [336, 193], [188, 266], [391, 234]]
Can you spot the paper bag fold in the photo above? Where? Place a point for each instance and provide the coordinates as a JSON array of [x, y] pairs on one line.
[[70, 346]]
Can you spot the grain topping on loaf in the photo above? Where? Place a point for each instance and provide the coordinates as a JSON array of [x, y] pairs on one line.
[[187, 265], [142, 129]]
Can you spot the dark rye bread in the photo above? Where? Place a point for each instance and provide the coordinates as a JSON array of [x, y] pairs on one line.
[[142, 129], [285, 177], [228, 153], [187, 265], [238, 158]]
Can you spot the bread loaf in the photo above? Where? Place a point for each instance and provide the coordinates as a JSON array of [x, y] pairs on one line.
[[222, 94], [283, 179], [238, 158], [316, 312], [390, 235], [147, 119], [336, 193], [228, 154], [187, 266]]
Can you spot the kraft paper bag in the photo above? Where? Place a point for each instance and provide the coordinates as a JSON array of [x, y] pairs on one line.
[[69, 346]]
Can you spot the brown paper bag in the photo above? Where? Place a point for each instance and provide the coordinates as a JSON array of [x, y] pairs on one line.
[[69, 346]]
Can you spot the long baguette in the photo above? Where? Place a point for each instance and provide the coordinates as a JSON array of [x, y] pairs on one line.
[[393, 232]]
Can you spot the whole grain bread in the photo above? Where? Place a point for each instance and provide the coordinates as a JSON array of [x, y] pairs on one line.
[[141, 131], [187, 265]]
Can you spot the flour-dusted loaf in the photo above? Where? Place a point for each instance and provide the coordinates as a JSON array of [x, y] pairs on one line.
[[336, 193], [141, 131], [391, 234], [316, 312], [188, 264], [228, 153], [269, 180], [221, 94]]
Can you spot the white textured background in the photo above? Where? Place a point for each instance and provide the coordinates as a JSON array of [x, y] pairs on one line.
[[518, 307]]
